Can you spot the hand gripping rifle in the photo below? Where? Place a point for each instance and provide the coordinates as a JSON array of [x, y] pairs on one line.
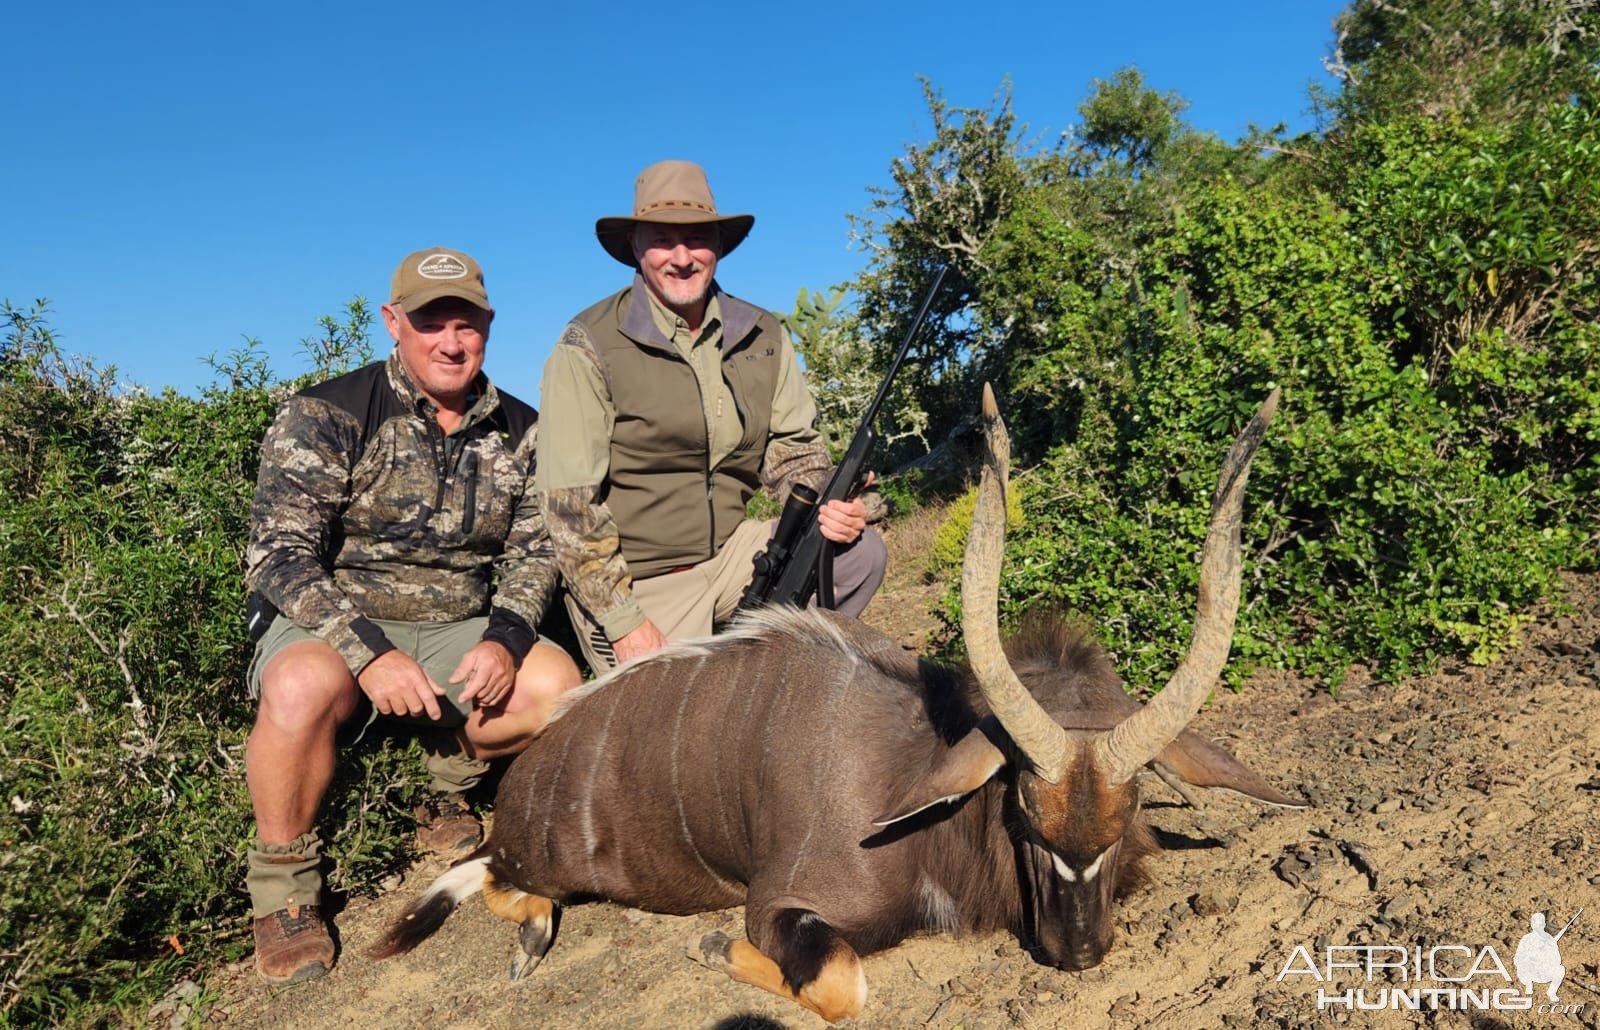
[[787, 571]]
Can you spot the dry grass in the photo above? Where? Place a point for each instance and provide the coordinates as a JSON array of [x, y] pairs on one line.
[[903, 605]]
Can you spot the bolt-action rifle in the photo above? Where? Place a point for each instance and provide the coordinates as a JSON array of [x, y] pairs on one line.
[[788, 571]]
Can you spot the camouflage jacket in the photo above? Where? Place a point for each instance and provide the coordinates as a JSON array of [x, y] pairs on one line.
[[365, 509]]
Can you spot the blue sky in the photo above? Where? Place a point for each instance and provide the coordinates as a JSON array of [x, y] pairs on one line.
[[178, 176]]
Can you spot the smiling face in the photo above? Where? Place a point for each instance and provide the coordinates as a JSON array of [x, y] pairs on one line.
[[678, 263], [441, 346]]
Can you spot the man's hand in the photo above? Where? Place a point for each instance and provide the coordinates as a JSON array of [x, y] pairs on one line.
[[398, 686], [488, 672], [638, 643], [842, 521]]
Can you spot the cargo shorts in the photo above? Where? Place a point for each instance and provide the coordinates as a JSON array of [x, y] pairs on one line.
[[436, 646]]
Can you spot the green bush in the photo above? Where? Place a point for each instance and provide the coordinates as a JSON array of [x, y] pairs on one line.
[[124, 816], [949, 547], [1388, 521], [1419, 278]]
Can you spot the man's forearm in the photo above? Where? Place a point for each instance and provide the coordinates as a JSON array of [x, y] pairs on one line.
[[588, 552], [789, 462], [525, 581], [306, 595]]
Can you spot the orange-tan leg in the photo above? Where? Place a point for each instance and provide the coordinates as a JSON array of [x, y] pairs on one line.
[[838, 991], [535, 916]]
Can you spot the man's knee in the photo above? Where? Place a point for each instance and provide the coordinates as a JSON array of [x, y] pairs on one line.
[[305, 684], [858, 571], [546, 674], [873, 555]]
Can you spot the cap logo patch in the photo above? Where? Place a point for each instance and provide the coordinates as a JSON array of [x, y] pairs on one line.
[[441, 266]]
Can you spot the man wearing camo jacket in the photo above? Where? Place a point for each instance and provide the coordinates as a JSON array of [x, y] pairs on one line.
[[404, 564]]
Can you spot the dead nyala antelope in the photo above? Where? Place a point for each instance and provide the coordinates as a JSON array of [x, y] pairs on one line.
[[850, 795]]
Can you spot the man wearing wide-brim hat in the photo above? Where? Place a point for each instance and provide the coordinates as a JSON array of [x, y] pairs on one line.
[[666, 406]]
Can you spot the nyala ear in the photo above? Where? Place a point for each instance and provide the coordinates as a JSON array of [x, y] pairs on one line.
[[1201, 763], [962, 770]]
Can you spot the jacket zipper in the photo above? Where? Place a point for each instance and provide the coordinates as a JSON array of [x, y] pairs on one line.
[[447, 454], [471, 515], [711, 499], [441, 462]]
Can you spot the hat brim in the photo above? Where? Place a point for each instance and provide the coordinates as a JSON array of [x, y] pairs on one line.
[[420, 299], [613, 232]]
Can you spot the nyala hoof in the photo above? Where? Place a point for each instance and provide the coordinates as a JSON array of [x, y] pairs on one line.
[[533, 940], [711, 950]]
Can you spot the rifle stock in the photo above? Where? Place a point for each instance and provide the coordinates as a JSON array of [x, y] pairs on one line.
[[786, 572]]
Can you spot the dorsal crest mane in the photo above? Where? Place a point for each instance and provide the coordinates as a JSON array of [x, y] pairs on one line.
[[804, 624], [758, 627], [1044, 637]]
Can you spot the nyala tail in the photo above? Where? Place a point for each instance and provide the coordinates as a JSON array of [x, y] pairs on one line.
[[425, 915]]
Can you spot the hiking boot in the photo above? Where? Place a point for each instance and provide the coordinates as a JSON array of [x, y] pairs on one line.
[[293, 945], [447, 826]]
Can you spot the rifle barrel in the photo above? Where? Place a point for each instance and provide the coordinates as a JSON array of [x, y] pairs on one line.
[[905, 346]]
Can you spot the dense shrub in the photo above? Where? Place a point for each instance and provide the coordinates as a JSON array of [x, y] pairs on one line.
[[1386, 523], [1421, 279], [122, 655], [948, 549]]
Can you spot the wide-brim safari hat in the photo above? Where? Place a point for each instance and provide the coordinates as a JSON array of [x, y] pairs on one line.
[[674, 193]]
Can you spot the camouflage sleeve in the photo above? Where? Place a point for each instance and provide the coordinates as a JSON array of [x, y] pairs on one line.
[[587, 550], [575, 421], [304, 481], [525, 571], [795, 451]]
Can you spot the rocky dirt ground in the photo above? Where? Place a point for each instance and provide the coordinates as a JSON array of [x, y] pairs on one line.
[[1446, 810]]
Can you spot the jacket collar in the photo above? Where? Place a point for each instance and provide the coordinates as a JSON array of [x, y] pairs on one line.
[[738, 318]]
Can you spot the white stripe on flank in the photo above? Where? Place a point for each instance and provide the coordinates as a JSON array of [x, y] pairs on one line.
[[556, 782], [823, 780], [684, 697], [591, 844]]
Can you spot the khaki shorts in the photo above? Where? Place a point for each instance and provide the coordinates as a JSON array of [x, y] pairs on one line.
[[436, 646], [693, 601]]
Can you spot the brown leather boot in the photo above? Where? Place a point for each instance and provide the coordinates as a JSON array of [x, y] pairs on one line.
[[293, 945], [448, 826]]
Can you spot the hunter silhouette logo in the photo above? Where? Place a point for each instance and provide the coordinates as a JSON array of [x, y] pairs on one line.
[[1538, 957], [1454, 977]]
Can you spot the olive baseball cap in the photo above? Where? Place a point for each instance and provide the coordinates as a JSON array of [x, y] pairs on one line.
[[427, 275]]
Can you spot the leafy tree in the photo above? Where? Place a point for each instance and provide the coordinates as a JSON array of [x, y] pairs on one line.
[[1480, 61], [948, 196], [1420, 280]]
